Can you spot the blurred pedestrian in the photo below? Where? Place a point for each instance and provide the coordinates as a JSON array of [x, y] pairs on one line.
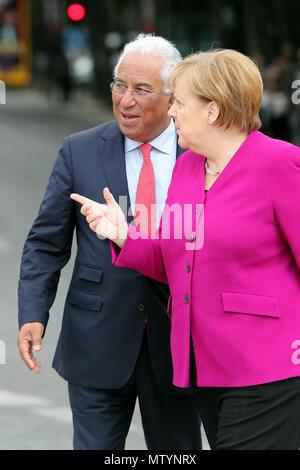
[[277, 107], [114, 342], [235, 280], [62, 77], [280, 102]]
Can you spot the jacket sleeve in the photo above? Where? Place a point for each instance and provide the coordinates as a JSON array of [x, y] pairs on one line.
[[48, 245], [285, 193], [142, 254]]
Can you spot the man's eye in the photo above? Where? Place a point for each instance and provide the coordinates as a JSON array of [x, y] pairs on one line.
[[141, 91], [119, 86]]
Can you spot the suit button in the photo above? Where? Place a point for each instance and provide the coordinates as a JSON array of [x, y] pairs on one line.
[[188, 268], [186, 299], [141, 307], [191, 237]]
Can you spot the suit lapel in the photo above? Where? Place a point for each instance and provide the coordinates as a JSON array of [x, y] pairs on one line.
[[112, 165]]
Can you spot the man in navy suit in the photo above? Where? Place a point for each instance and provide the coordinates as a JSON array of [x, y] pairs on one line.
[[114, 341]]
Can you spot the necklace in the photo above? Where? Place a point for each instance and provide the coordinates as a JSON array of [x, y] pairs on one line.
[[219, 170], [213, 173]]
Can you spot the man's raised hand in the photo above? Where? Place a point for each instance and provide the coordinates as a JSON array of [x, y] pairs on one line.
[[107, 220]]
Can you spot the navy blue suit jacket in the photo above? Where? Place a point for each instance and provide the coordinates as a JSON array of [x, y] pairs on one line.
[[104, 314]]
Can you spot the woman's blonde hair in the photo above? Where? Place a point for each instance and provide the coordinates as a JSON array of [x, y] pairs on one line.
[[229, 78]]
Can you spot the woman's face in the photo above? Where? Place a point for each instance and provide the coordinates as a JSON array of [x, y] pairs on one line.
[[191, 117]]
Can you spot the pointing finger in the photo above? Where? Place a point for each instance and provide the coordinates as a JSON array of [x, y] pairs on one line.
[[78, 198], [109, 197]]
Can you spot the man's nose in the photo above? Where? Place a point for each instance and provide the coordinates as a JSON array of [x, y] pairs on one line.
[[127, 99]]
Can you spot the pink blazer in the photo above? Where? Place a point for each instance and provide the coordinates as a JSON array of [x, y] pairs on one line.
[[238, 291]]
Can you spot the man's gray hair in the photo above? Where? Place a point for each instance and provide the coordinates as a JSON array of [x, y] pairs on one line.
[[149, 44]]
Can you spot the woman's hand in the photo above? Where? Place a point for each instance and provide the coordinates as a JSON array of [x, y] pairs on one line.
[[107, 220]]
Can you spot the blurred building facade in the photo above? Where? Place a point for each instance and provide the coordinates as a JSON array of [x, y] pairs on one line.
[[82, 54]]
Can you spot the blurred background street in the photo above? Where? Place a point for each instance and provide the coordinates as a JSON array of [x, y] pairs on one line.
[[57, 65]]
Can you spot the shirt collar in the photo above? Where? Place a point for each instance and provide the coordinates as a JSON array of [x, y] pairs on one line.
[[161, 143]]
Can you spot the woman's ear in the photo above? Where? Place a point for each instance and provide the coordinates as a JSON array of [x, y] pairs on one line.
[[213, 112]]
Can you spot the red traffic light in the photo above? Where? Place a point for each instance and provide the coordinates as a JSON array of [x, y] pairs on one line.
[[76, 12]]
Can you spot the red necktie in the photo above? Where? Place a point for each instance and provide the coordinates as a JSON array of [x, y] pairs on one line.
[[145, 220]]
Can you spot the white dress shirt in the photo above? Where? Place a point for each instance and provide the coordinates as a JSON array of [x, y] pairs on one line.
[[163, 158]]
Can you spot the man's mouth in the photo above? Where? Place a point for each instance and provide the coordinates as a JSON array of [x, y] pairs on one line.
[[129, 118]]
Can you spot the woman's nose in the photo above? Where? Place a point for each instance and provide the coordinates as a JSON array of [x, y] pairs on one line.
[[171, 112]]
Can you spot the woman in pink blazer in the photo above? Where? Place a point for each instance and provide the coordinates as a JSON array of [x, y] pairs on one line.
[[229, 248]]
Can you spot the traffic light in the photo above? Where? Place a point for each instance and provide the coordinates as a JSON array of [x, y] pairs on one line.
[[76, 12]]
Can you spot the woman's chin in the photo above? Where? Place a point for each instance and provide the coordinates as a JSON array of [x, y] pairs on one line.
[[182, 143]]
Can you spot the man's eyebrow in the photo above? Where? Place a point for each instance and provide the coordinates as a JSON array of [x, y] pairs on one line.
[[138, 84], [143, 84], [117, 79]]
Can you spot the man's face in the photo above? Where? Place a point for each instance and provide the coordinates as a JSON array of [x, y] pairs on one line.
[[141, 119]]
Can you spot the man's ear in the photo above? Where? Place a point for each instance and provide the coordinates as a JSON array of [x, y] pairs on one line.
[[213, 112]]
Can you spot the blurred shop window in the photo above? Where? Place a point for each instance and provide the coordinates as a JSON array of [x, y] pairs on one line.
[[15, 42]]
